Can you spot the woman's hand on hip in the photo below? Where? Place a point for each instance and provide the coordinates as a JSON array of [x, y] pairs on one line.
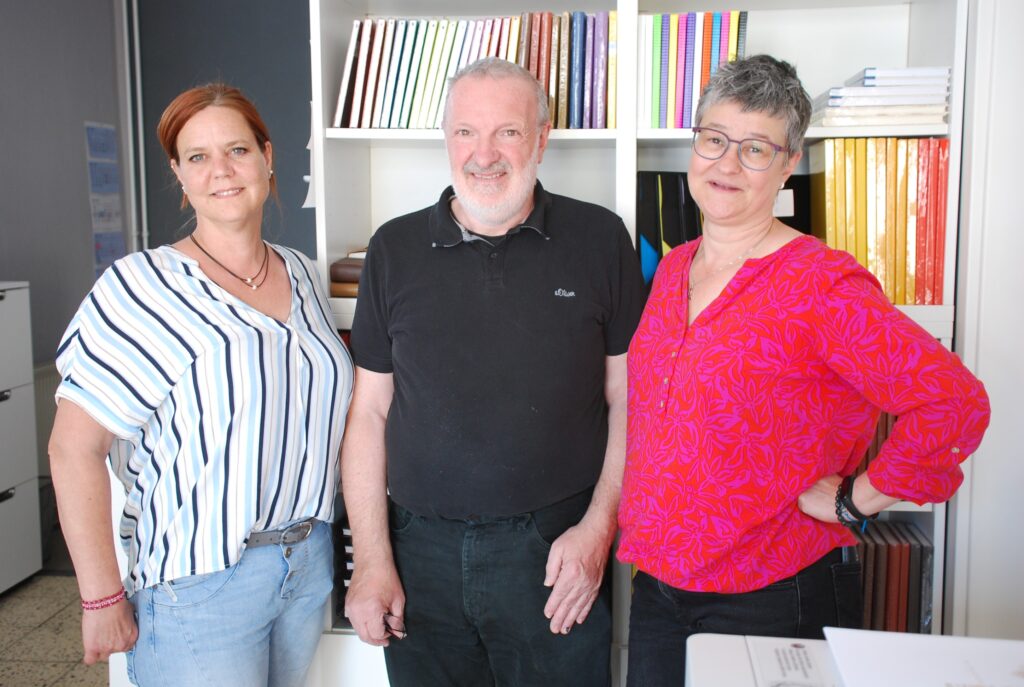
[[819, 501]]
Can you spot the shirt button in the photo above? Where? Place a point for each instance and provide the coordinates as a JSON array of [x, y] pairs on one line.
[[661, 405], [674, 354], [493, 255], [665, 380], [955, 449]]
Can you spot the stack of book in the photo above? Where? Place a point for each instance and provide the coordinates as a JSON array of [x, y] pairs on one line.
[[897, 561], [878, 96], [883, 200], [396, 70], [678, 53], [345, 274]]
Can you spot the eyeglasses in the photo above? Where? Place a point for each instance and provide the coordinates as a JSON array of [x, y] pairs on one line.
[[755, 154]]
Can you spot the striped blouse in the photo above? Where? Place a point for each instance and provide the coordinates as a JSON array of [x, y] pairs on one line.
[[226, 420]]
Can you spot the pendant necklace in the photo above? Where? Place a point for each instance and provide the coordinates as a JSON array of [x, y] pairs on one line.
[[248, 281], [742, 256]]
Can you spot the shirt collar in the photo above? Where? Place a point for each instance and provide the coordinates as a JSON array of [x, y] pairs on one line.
[[445, 232]]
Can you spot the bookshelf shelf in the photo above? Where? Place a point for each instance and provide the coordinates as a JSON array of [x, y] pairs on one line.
[[364, 177]]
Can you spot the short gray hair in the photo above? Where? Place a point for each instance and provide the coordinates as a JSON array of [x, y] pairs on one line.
[[761, 83], [498, 68]]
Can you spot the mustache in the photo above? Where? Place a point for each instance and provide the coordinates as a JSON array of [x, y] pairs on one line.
[[496, 168]]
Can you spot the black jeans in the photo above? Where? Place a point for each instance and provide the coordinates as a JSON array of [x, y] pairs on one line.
[[662, 617], [475, 600]]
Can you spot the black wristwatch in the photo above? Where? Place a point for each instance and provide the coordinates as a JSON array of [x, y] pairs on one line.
[[846, 512]]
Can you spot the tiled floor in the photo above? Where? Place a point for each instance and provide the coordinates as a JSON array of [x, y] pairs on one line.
[[41, 636]]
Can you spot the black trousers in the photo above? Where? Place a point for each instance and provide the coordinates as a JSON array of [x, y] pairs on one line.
[[662, 617], [475, 600]]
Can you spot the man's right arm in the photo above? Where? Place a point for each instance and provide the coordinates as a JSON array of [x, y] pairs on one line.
[[375, 589]]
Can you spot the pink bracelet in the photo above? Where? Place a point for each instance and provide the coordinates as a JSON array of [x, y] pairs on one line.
[[105, 602]]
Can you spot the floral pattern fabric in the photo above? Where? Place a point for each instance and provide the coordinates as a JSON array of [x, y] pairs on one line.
[[777, 383]]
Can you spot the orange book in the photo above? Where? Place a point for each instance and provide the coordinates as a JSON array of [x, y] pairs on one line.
[[924, 210], [871, 182], [851, 195], [881, 228], [534, 62], [544, 57], [705, 65], [900, 262], [911, 261], [941, 197], [933, 219], [861, 204], [891, 186]]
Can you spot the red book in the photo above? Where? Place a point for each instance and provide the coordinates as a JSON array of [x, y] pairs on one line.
[[941, 196], [534, 63], [544, 59], [705, 65], [933, 218], [924, 211]]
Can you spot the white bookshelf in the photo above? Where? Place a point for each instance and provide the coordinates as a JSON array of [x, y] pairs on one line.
[[364, 177]]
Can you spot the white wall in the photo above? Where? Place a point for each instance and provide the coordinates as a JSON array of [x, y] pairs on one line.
[[989, 534]]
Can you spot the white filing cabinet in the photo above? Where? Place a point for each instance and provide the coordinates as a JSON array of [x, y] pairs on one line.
[[20, 547]]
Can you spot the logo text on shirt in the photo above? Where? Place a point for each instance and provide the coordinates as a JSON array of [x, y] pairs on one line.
[[562, 293]]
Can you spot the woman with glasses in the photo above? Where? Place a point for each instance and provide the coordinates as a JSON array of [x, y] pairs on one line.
[[756, 377]]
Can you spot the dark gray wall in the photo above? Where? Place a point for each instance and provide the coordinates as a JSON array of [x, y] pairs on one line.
[[260, 46], [57, 71]]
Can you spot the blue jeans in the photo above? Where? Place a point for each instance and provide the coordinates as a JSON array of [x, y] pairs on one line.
[[475, 600], [662, 617], [256, 623]]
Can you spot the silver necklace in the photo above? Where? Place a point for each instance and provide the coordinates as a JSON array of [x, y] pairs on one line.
[[732, 263], [248, 281]]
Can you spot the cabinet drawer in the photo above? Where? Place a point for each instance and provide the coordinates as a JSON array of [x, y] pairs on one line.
[[19, 536], [15, 339], [18, 459]]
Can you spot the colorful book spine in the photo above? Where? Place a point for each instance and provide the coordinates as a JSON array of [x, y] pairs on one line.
[[382, 115], [741, 36], [900, 277], [408, 48], [556, 45], [423, 73], [709, 25], [382, 79], [533, 63], [723, 39], [431, 86], [588, 76], [942, 195], [345, 92], [544, 52], [600, 98], [373, 73], [655, 55], [684, 77], [909, 283], [579, 32], [861, 205], [663, 87], [645, 66], [613, 68], [839, 169], [716, 40], [440, 79], [414, 72], [506, 24], [734, 35], [362, 66], [850, 173], [891, 186], [698, 63], [523, 55], [454, 60], [513, 39], [672, 51], [563, 70]]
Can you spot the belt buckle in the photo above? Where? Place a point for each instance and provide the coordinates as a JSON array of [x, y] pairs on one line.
[[297, 532]]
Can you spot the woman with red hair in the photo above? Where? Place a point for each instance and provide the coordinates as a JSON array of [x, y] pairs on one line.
[[210, 374]]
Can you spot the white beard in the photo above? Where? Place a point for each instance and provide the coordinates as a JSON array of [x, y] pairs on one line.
[[503, 208]]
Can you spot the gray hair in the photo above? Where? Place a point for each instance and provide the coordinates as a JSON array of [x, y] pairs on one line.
[[498, 68], [761, 83]]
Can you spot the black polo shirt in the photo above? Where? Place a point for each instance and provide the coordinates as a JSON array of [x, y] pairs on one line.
[[498, 353]]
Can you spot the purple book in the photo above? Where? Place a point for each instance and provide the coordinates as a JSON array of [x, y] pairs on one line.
[[666, 27], [688, 104], [723, 42], [600, 70], [588, 76]]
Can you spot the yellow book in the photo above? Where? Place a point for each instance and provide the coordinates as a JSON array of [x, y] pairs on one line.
[[512, 51], [734, 33], [670, 98], [851, 195], [665, 248], [899, 288], [613, 65], [563, 72], [891, 185], [910, 281], [881, 229], [556, 37], [861, 206], [871, 174], [821, 163], [840, 204]]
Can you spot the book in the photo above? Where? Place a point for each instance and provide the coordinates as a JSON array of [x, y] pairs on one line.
[[613, 68], [533, 61], [685, 84], [467, 44], [879, 597], [709, 24], [413, 73], [942, 196], [829, 119], [432, 85], [672, 53], [931, 260], [850, 191], [883, 91], [911, 257], [382, 71], [648, 235], [485, 37], [657, 102], [899, 81], [891, 186], [513, 39], [458, 52], [475, 41], [579, 30], [600, 97], [866, 544], [423, 75], [523, 54], [556, 45], [881, 224], [494, 46], [342, 109], [734, 35], [387, 103], [544, 52], [913, 610], [741, 36], [506, 25], [900, 278], [645, 67], [927, 563], [821, 166], [861, 202], [871, 215], [839, 170], [373, 73], [723, 39], [563, 70], [898, 72], [876, 100], [362, 66], [924, 211], [697, 51], [588, 75], [440, 80], [716, 41]]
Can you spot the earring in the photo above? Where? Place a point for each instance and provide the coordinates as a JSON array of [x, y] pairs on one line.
[[183, 189], [271, 174], [782, 185]]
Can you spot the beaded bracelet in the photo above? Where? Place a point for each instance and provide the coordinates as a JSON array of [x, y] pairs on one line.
[[105, 602], [846, 512]]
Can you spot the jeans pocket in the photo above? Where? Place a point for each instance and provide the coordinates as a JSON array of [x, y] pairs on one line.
[[192, 590], [846, 587], [399, 519]]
